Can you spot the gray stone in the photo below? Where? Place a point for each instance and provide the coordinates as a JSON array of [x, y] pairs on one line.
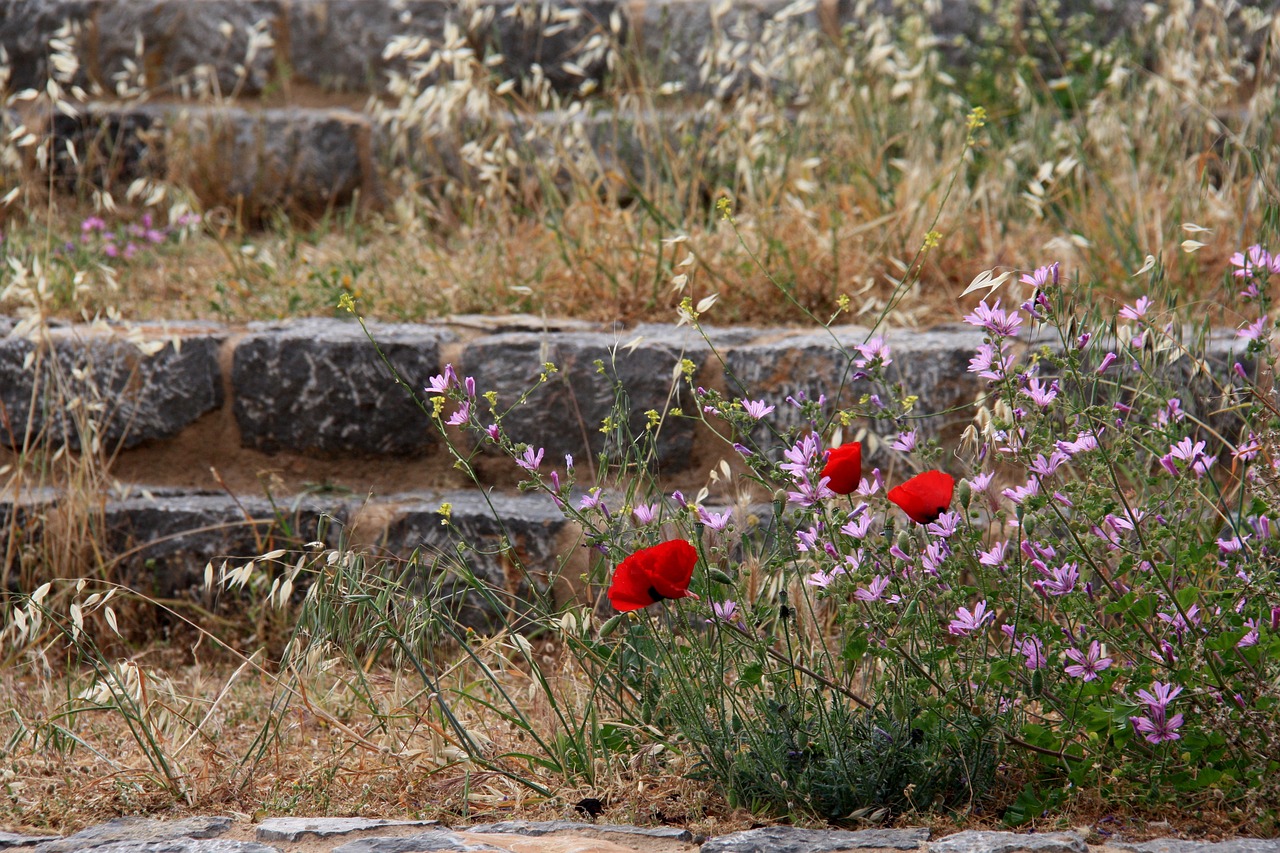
[[168, 538], [255, 161], [565, 414], [510, 546], [1009, 842], [143, 830], [135, 397], [298, 828], [11, 840], [555, 36], [296, 158], [786, 839], [26, 26], [179, 35], [338, 44], [182, 845], [425, 842], [1178, 845], [319, 386], [546, 827]]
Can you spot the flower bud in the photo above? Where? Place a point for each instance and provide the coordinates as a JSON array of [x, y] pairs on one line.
[[611, 625], [964, 493], [719, 577], [1029, 524], [904, 542]]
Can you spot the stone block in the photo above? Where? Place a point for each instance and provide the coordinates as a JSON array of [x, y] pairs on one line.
[[26, 27], [295, 829], [319, 386], [177, 36], [132, 394], [567, 40], [565, 414], [168, 537], [511, 546], [338, 44], [979, 841], [301, 159], [787, 839], [139, 830]]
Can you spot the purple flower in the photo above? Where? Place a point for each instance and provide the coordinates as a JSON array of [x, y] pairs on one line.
[[873, 350], [1157, 728], [1255, 330], [944, 526], [1085, 440], [994, 319], [991, 363], [1023, 493], [1042, 276], [530, 459], [1032, 650], [1040, 394], [1043, 467], [1059, 581], [820, 579], [1107, 360], [757, 409], [714, 520], [981, 483], [593, 499], [644, 513], [1248, 265], [966, 622], [905, 442], [492, 431], [443, 382], [725, 611], [873, 591], [461, 416], [1087, 666], [1138, 310], [995, 556]]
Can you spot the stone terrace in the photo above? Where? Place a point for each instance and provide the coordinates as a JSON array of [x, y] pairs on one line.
[[361, 835], [206, 416]]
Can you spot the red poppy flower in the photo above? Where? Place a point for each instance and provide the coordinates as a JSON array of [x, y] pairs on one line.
[[652, 574], [844, 467], [925, 496]]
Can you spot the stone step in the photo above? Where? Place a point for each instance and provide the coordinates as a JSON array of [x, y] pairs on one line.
[[192, 416], [257, 47], [315, 397], [371, 835]]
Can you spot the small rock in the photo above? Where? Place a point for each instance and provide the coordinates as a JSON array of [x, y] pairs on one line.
[[142, 830], [10, 840], [297, 828], [1009, 842], [183, 845], [423, 842], [786, 839], [545, 827], [1176, 845]]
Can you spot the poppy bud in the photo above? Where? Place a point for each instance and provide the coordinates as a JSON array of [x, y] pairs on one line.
[[904, 542], [611, 625], [1029, 524], [964, 493], [1037, 683], [719, 577]]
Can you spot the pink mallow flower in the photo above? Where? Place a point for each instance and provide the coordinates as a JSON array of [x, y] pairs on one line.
[[1087, 665], [965, 621]]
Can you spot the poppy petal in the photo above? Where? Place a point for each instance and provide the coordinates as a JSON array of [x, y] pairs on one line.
[[652, 574], [925, 496], [844, 468]]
